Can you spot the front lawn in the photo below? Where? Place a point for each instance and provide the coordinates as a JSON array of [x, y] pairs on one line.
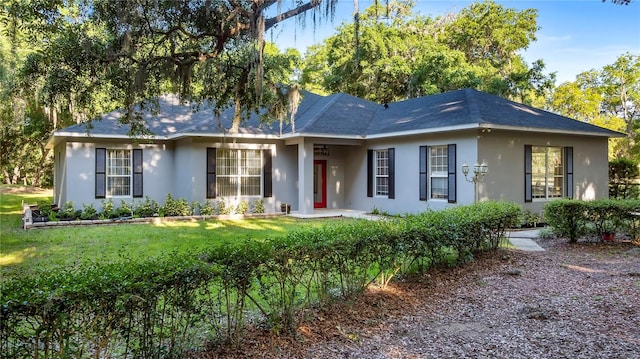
[[23, 251]]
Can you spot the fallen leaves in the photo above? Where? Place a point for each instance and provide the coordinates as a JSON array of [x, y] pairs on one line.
[[508, 304]]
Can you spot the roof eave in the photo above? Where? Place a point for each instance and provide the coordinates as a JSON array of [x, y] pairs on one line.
[[58, 137], [423, 131], [605, 133]]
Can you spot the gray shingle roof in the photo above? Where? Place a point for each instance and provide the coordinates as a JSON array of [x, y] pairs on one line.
[[346, 115], [471, 107]]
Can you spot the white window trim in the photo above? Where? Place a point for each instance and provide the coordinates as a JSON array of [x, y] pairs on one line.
[[438, 174], [547, 177], [378, 176], [239, 174], [108, 154]]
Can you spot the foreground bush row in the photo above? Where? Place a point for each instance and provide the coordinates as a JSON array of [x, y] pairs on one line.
[[167, 306], [147, 208], [574, 219]]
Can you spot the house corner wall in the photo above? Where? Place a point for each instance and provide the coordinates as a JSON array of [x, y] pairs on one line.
[[503, 151], [60, 173]]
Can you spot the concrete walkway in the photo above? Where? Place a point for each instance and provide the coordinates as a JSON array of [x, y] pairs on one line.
[[524, 240], [331, 213]]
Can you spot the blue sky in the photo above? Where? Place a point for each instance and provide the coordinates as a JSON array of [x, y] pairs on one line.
[[574, 35]]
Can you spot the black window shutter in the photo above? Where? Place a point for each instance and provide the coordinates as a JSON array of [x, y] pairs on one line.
[[211, 172], [451, 156], [423, 173], [137, 173], [101, 172], [528, 174], [266, 171], [392, 172], [369, 173], [568, 155]]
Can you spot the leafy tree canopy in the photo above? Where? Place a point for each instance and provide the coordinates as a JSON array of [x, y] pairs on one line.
[[408, 55], [608, 97], [99, 52]]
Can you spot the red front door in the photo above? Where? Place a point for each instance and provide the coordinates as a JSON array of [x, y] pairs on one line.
[[319, 184]]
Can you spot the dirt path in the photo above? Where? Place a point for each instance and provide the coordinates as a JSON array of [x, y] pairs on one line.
[[571, 301]]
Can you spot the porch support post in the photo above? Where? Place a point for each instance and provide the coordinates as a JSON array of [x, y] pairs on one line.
[[305, 177]]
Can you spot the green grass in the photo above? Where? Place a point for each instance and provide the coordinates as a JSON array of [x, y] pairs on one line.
[[24, 251]]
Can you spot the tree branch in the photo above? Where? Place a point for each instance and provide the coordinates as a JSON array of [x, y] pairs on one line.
[[270, 22]]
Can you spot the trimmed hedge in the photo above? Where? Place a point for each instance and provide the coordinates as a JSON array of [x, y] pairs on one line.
[[167, 306], [575, 219]]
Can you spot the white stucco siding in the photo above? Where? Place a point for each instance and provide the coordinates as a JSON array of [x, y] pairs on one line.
[[407, 174], [191, 171], [75, 172], [190, 162], [284, 178], [335, 174], [60, 173], [80, 175], [158, 165], [504, 154]]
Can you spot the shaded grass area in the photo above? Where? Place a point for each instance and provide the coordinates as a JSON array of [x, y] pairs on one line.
[[25, 251]]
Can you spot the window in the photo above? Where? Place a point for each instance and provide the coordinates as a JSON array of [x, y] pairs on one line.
[[439, 172], [238, 172], [547, 172], [118, 173], [382, 172]]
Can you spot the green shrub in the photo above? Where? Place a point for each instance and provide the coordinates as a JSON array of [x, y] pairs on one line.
[[242, 207], [573, 219], [258, 206], [67, 211], [622, 172], [148, 208], [567, 217], [108, 209], [88, 212], [165, 306], [207, 209], [176, 207], [124, 210], [222, 207], [605, 216]]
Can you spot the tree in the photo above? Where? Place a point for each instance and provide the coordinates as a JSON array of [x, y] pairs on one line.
[[380, 66], [622, 173], [609, 97], [133, 51], [25, 124], [407, 55]]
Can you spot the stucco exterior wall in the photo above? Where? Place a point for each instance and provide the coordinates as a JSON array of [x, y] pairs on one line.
[[407, 184], [284, 177], [503, 152], [59, 173], [191, 161], [335, 175], [158, 165], [78, 168]]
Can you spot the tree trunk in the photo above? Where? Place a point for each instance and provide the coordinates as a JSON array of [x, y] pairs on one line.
[[237, 116], [7, 176], [38, 173]]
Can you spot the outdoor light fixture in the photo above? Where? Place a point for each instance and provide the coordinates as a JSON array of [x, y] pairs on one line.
[[479, 171], [321, 150]]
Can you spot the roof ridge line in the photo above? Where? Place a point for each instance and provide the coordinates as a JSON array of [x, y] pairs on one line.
[[474, 109], [332, 99]]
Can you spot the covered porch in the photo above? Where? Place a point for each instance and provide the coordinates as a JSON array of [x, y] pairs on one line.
[[321, 177]]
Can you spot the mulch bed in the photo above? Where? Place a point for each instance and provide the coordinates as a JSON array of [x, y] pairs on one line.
[[571, 301]]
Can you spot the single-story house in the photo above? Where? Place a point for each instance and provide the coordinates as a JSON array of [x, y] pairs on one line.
[[345, 153]]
